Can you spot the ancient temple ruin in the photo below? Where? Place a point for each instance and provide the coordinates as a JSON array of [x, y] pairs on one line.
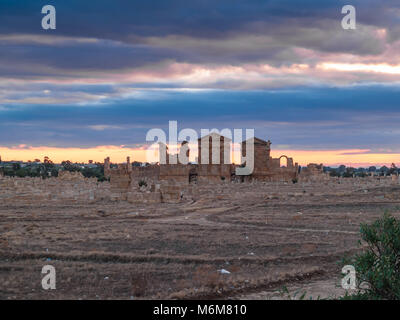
[[267, 168], [171, 182]]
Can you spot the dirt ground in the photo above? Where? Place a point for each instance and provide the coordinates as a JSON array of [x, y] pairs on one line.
[[266, 237]]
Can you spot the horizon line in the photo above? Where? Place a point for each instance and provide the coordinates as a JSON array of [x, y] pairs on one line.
[[118, 154]]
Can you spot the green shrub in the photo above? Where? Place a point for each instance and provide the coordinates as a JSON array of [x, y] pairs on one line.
[[378, 266], [21, 173], [142, 183]]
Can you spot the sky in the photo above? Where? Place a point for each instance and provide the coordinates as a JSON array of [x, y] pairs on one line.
[[112, 70]]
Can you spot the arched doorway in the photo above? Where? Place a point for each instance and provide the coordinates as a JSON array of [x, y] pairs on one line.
[[283, 163]]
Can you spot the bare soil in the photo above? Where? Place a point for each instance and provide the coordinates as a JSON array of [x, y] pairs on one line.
[[266, 236]]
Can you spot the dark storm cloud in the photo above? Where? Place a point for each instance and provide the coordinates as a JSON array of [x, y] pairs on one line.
[[100, 55], [132, 49], [120, 18], [142, 25], [321, 118]]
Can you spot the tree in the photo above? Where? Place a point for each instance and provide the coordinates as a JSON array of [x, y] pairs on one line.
[[97, 172], [47, 160], [69, 166], [21, 173], [334, 173], [393, 169], [349, 172], [378, 266], [54, 172], [383, 170]]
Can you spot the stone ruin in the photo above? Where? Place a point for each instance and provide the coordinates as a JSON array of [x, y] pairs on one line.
[[313, 172], [70, 176], [173, 182], [68, 188], [267, 168]]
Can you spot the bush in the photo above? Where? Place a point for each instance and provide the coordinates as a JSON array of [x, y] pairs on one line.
[[334, 173], [97, 172], [378, 266], [21, 173], [142, 183]]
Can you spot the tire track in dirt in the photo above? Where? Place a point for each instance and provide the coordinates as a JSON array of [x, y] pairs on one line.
[[101, 257], [201, 216], [313, 287], [241, 293]]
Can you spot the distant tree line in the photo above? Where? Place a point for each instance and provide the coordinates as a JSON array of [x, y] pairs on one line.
[[349, 172], [43, 170], [48, 169], [87, 172]]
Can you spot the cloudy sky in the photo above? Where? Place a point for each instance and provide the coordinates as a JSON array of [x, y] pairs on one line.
[[112, 70]]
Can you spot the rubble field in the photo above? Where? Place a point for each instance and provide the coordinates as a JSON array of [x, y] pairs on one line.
[[228, 240]]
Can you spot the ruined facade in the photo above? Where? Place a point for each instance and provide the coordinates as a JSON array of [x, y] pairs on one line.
[[313, 172], [267, 168], [69, 188], [70, 176], [172, 181]]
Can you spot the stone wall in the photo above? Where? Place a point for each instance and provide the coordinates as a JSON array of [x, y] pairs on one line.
[[70, 190], [313, 172], [54, 190], [175, 174], [170, 182], [267, 168]]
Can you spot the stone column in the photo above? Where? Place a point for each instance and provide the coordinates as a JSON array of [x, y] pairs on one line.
[[107, 170], [128, 164]]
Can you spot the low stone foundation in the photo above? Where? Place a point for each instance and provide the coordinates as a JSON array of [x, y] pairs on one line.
[[31, 190], [58, 191], [144, 197]]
